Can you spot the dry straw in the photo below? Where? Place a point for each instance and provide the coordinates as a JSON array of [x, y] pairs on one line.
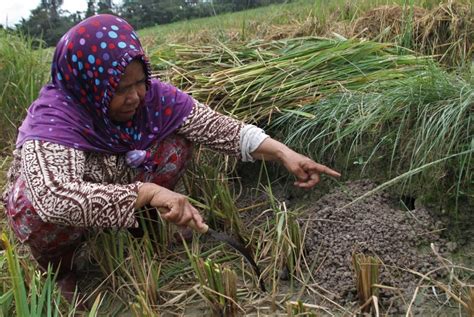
[[446, 31], [367, 275]]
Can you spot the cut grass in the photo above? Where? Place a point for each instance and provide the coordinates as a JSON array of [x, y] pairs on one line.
[[252, 82], [344, 98]]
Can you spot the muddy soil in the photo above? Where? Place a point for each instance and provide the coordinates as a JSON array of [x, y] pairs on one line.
[[378, 226], [374, 226]]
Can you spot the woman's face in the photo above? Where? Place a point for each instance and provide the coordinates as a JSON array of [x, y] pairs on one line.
[[129, 93]]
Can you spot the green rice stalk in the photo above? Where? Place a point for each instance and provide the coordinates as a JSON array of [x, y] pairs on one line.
[[294, 72], [94, 311], [23, 71], [407, 32], [179, 264], [208, 186], [218, 283], [6, 300], [359, 99], [407, 127], [141, 308], [279, 241], [109, 250], [18, 286], [38, 297], [288, 244], [143, 269]]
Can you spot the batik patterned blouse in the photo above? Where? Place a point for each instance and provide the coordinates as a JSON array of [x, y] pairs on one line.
[[88, 189]]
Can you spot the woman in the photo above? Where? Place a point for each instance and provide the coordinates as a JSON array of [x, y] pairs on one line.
[[103, 139]]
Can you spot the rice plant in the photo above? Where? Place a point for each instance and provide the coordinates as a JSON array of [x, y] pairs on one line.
[[23, 71], [470, 302], [299, 308], [131, 265], [447, 32], [328, 97], [32, 293], [209, 186], [291, 19], [292, 73], [407, 127], [344, 98], [287, 243], [218, 284], [366, 275]]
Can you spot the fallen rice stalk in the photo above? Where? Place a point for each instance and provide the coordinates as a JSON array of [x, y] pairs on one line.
[[299, 308], [285, 74]]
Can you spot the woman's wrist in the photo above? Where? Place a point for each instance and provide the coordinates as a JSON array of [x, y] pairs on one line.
[[145, 193], [271, 150]]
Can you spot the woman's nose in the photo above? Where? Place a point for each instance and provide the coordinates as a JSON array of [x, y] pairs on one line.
[[133, 95]]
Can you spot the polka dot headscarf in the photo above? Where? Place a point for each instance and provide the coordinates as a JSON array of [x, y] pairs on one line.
[[73, 108]]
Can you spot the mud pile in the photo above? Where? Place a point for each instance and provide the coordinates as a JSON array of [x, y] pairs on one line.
[[374, 226]]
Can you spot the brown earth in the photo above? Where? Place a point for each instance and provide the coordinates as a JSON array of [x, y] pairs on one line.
[[378, 226]]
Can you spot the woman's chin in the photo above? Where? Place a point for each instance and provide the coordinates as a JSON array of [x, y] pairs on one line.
[[124, 116]]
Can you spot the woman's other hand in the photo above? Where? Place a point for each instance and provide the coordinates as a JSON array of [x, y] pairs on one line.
[[174, 207], [306, 170]]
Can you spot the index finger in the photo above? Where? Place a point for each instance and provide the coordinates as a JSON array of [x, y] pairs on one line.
[[319, 168]]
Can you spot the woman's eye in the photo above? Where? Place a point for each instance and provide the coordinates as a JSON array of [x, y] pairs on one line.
[[120, 90]]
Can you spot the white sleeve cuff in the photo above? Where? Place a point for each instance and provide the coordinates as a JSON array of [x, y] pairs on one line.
[[250, 139]]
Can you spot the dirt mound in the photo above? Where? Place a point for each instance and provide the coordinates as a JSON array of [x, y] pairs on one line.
[[374, 227]]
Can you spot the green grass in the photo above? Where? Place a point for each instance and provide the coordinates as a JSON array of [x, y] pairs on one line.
[[29, 292], [23, 71], [421, 119]]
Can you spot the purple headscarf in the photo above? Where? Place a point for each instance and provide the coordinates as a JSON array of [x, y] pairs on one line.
[[72, 110]]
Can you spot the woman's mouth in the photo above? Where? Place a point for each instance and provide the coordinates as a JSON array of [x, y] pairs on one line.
[[129, 112]]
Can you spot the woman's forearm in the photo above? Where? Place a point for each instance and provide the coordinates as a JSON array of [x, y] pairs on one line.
[[306, 170], [271, 150]]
